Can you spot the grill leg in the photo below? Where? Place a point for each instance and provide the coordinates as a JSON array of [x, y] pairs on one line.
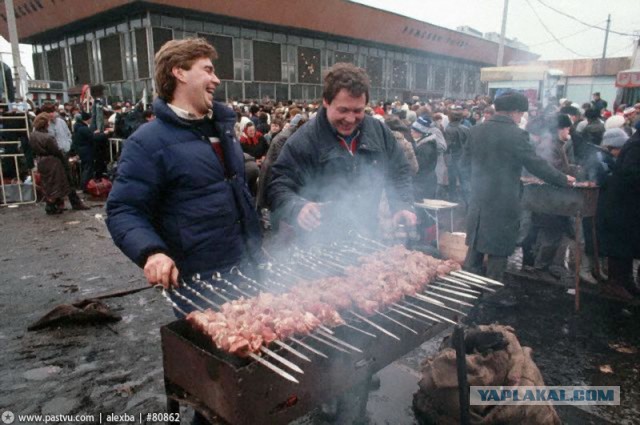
[[596, 254], [461, 366], [578, 259]]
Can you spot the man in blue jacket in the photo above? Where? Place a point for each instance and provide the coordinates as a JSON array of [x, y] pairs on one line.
[[180, 204]]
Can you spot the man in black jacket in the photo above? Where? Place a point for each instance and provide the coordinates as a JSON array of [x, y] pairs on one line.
[[331, 172], [495, 154]]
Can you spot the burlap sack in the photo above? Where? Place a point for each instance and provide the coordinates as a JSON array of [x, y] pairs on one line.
[[437, 400]]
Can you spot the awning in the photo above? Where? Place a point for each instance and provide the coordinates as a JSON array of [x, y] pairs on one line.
[[512, 73], [628, 78]]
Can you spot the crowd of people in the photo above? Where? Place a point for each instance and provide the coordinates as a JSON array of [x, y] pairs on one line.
[[345, 161]]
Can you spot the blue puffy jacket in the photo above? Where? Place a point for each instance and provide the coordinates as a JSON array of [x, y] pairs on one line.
[[171, 195]]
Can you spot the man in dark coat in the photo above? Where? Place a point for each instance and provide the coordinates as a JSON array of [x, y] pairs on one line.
[[425, 182], [496, 152], [330, 174], [620, 210], [83, 146], [180, 204], [456, 134]]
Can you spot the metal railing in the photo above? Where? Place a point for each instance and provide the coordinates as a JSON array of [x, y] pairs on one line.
[[15, 192]]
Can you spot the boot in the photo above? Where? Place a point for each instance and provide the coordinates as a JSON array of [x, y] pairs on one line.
[[76, 202], [52, 207], [586, 270]]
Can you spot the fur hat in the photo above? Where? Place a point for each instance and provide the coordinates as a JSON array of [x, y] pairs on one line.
[[511, 102], [616, 121], [614, 138]]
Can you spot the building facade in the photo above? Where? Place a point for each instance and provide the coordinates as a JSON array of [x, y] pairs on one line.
[[263, 53]]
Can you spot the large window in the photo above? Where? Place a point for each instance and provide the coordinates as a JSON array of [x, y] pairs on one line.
[[38, 66], [308, 65], [142, 53], [422, 76], [224, 48], [54, 62], [374, 69], [161, 36], [399, 74], [111, 55], [81, 67], [440, 77], [456, 80], [267, 62]]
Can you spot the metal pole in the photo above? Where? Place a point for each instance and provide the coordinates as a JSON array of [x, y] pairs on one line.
[[606, 37], [461, 367], [15, 48], [505, 11]]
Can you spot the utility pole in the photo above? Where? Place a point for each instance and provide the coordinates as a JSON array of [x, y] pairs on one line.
[[606, 37], [503, 32], [15, 48]]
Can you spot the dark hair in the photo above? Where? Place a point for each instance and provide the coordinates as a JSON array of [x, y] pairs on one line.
[[48, 107], [345, 76], [592, 114], [569, 110], [178, 53], [147, 114]]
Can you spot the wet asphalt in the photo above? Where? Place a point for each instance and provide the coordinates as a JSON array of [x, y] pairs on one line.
[[117, 368]]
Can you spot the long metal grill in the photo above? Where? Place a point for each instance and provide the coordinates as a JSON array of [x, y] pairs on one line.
[[443, 301]]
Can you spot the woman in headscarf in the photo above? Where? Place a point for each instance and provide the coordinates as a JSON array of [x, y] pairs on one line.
[[253, 143]]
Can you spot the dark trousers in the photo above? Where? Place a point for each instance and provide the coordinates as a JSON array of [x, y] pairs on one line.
[[496, 264]]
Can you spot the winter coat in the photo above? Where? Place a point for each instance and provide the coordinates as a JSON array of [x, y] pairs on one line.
[[265, 170], [172, 194], [425, 182], [409, 152], [83, 142], [255, 146], [50, 165], [593, 132], [456, 136], [495, 154], [314, 167], [620, 212]]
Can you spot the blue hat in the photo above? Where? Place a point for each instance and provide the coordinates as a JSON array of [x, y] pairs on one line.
[[422, 124]]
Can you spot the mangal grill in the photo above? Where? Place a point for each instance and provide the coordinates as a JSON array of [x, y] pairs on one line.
[[292, 377], [578, 201]]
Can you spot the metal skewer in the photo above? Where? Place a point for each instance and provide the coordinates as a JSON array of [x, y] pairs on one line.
[[466, 278], [281, 359], [413, 311], [441, 306], [197, 294], [449, 299], [426, 299], [457, 288], [211, 288], [291, 350], [482, 286], [235, 270], [397, 322], [452, 280], [375, 325], [330, 344], [308, 347], [339, 341], [451, 291], [361, 331], [187, 300], [400, 312], [446, 319], [481, 278], [326, 329], [218, 277], [172, 302], [273, 367]]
